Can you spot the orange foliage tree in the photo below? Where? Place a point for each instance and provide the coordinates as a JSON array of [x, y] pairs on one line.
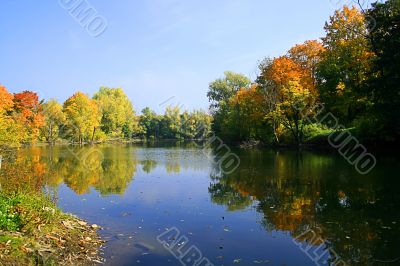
[[28, 112], [249, 102], [308, 55], [10, 130], [6, 100], [294, 93]]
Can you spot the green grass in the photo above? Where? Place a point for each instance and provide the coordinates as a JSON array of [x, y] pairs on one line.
[[316, 131], [11, 240], [9, 219], [24, 211]]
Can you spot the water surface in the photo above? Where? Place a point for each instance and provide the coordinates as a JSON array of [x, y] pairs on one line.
[[248, 217]]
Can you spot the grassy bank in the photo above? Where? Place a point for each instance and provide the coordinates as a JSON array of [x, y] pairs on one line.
[[33, 231]]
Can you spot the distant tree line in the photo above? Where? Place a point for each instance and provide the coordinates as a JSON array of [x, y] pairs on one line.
[[108, 115], [175, 124], [353, 73]]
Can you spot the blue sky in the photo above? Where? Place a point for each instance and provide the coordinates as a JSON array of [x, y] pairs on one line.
[[154, 50]]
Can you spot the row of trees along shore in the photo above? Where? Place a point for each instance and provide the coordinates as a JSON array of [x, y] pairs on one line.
[[108, 115], [352, 72]]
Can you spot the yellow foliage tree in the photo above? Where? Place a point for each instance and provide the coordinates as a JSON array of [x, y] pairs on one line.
[[83, 117], [249, 102]]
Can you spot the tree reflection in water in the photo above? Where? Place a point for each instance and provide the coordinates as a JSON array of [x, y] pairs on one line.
[[109, 172], [357, 216]]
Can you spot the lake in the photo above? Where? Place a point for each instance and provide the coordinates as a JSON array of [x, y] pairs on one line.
[[171, 204]]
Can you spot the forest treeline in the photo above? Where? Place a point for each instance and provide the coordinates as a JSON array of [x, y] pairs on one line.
[[108, 115], [347, 80]]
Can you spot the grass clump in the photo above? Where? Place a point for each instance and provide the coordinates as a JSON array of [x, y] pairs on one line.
[[9, 219]]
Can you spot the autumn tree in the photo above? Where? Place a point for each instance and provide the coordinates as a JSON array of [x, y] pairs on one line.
[[6, 100], [82, 117], [27, 111], [269, 91], [289, 93], [345, 64], [284, 70], [308, 56], [249, 102], [294, 109], [11, 133]]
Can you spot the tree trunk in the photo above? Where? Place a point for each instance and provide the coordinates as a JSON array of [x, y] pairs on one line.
[[94, 131]]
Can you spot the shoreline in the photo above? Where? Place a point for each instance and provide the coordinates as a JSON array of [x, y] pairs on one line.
[[318, 144], [34, 231]]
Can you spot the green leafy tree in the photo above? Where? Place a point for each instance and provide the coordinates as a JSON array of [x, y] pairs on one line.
[[54, 119], [202, 124], [219, 94], [117, 113], [172, 122], [384, 84], [149, 121], [195, 124], [221, 90]]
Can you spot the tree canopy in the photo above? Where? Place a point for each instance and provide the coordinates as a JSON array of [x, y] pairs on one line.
[[117, 113], [351, 73]]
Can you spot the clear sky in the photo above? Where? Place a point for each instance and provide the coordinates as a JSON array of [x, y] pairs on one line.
[[153, 49]]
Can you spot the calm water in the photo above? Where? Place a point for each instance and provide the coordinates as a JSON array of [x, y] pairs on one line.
[[249, 217]]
